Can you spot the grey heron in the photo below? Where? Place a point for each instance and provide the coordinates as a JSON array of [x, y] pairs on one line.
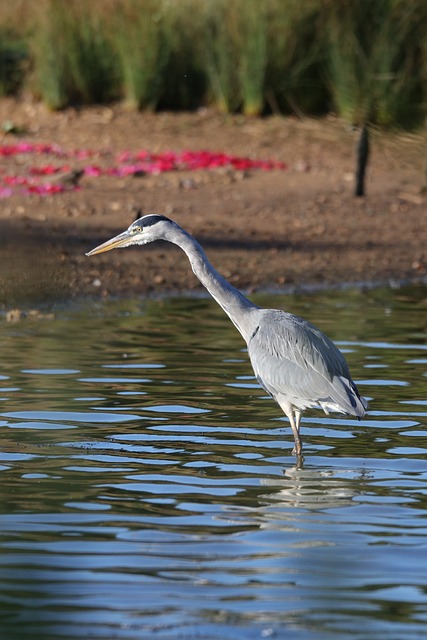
[[297, 364]]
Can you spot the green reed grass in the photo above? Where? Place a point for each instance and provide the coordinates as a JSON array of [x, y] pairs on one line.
[[184, 83], [252, 45], [73, 59], [49, 50], [366, 60], [295, 57], [13, 63], [14, 58], [140, 37], [373, 59], [220, 55]]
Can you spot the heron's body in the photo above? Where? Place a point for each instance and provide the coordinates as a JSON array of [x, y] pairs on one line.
[[298, 365]]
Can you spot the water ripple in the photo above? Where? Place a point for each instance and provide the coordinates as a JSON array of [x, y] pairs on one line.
[[170, 505]]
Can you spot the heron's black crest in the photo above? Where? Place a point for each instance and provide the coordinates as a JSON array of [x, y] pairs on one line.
[[148, 221]]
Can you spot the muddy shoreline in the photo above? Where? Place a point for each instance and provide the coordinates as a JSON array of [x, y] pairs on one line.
[[264, 230]]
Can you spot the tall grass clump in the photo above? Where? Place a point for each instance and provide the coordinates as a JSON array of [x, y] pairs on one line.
[[263, 54], [184, 81], [252, 54], [296, 54], [13, 62], [221, 27], [236, 54], [73, 58], [49, 50], [373, 59], [366, 59], [14, 57], [143, 50]]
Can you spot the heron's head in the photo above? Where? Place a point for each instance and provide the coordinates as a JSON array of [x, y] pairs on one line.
[[142, 231]]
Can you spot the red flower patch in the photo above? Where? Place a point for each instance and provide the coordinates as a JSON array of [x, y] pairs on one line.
[[34, 180]]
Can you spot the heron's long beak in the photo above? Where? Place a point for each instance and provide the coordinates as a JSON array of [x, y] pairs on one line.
[[122, 240]]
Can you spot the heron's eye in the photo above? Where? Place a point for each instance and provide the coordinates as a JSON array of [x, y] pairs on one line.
[[137, 230]]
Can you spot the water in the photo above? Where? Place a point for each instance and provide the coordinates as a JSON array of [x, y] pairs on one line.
[[148, 488]]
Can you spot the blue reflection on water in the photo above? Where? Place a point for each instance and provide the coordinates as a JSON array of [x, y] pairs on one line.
[[170, 505]]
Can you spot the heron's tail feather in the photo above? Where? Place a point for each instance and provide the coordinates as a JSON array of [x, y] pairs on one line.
[[357, 404], [344, 398]]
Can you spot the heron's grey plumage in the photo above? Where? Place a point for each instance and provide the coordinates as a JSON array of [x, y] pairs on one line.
[[297, 364], [294, 359]]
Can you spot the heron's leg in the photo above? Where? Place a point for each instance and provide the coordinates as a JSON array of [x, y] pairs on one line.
[[294, 422], [297, 450], [298, 415]]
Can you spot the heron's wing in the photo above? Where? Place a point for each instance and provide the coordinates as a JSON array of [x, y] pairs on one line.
[[295, 360]]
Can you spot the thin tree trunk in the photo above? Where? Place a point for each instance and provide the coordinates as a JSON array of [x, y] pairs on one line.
[[424, 177], [362, 160]]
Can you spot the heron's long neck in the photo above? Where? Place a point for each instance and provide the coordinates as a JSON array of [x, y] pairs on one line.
[[235, 304]]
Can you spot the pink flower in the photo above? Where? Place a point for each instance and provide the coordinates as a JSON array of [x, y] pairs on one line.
[[92, 171], [45, 189], [126, 163], [48, 170]]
